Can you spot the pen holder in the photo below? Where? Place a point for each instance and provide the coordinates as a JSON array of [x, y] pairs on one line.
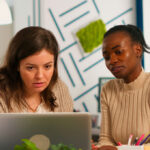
[[128, 147]]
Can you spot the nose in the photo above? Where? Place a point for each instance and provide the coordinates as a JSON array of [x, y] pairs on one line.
[[39, 73], [113, 59]]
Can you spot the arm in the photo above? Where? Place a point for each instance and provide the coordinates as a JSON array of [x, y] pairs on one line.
[[105, 130], [106, 140]]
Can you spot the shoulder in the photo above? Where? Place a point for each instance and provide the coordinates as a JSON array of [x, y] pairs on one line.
[[60, 89], [146, 78], [109, 90], [59, 85], [147, 75], [112, 84]]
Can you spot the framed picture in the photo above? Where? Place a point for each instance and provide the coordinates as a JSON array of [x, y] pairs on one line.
[[102, 81], [90, 36]]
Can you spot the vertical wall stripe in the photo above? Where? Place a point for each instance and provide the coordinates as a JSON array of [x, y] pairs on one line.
[[95, 5], [85, 107], [71, 9], [71, 80], [139, 19], [76, 67], [29, 23], [139, 14], [34, 13], [50, 11], [39, 12]]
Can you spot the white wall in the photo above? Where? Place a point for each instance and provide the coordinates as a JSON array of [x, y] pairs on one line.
[[6, 33], [80, 73]]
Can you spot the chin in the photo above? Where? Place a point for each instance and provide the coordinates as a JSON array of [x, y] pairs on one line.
[[39, 90], [118, 76]]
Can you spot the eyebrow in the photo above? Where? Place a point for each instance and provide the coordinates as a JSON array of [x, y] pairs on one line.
[[115, 46], [50, 62]]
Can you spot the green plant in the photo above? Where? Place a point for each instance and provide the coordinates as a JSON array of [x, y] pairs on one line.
[[63, 147], [91, 36], [28, 145]]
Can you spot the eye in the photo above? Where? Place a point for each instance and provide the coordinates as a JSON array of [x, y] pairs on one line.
[[106, 57], [48, 66], [29, 67], [118, 52]]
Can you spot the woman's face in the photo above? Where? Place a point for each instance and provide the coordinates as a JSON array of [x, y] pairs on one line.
[[36, 71], [122, 56]]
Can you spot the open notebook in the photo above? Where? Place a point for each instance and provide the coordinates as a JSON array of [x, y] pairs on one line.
[[50, 128]]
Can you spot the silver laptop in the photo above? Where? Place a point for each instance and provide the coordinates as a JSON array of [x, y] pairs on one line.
[[46, 129]]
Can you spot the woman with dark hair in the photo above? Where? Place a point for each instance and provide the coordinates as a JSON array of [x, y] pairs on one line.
[[125, 100], [29, 79]]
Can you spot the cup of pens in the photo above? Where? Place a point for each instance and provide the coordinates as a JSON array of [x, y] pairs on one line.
[[137, 144]]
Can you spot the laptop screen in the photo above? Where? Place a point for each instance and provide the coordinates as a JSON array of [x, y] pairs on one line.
[[46, 129]]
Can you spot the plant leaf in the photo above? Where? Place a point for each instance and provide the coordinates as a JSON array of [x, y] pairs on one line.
[[27, 145]]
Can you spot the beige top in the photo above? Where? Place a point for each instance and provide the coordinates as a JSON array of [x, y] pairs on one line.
[[125, 110], [64, 101]]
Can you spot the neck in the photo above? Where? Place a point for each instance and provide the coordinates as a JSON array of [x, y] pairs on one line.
[[134, 75], [33, 101]]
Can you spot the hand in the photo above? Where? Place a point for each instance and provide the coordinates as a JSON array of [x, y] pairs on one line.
[[107, 147]]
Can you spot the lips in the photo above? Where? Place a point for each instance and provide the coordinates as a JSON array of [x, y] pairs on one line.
[[117, 69], [38, 84]]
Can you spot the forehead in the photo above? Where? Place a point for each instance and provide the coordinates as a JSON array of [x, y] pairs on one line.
[[40, 57], [116, 38]]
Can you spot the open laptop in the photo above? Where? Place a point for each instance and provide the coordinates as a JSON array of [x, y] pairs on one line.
[[54, 128]]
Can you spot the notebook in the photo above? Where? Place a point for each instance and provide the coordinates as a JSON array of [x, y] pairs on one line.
[[50, 128]]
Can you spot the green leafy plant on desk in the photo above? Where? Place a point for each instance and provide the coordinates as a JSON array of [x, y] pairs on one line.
[[28, 145]]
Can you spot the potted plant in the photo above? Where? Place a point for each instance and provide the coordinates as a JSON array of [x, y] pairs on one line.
[[28, 145]]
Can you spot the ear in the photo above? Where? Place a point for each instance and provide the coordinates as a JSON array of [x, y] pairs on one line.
[[138, 49]]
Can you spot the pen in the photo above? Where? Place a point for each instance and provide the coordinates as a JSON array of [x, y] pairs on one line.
[[135, 141], [145, 140], [130, 138], [140, 139]]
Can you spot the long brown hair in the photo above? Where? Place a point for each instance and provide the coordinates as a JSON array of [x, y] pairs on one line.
[[25, 43]]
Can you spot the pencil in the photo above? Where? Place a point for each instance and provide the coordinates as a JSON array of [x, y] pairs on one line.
[[135, 141], [145, 140], [140, 139]]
